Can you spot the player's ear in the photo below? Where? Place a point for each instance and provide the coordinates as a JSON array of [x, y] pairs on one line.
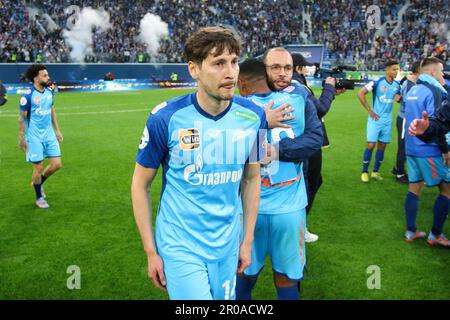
[[194, 70]]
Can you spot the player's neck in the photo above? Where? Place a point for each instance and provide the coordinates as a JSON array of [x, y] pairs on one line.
[[210, 104], [389, 79], [260, 88], [39, 87]]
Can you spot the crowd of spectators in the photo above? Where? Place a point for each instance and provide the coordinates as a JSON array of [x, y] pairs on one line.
[[32, 30]]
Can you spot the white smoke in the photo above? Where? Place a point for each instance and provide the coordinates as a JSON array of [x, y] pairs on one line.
[[51, 25], [152, 29], [400, 15], [80, 37]]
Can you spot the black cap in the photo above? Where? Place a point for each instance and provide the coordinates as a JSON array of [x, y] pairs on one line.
[[299, 60]]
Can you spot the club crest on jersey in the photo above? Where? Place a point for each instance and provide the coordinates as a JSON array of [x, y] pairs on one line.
[[189, 139], [383, 88], [37, 100]]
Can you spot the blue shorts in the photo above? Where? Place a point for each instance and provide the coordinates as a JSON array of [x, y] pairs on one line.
[[431, 170], [282, 236], [190, 278], [38, 150], [378, 131]]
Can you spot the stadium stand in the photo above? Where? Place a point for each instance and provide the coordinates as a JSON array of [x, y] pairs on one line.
[[32, 30]]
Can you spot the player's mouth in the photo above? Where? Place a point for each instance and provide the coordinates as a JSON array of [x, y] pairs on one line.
[[281, 83], [228, 86]]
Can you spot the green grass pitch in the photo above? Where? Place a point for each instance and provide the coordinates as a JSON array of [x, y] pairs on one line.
[[90, 223]]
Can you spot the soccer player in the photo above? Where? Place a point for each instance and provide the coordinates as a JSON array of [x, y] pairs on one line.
[[205, 142], [427, 162], [39, 133], [406, 84], [281, 222], [385, 90], [279, 68]]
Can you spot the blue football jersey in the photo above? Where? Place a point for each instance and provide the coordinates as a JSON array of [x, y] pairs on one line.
[[39, 119], [383, 98], [287, 196], [419, 99], [203, 159]]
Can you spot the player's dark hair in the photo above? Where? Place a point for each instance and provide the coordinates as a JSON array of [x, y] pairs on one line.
[[252, 70], [415, 68], [391, 63], [33, 71], [429, 61], [200, 44]]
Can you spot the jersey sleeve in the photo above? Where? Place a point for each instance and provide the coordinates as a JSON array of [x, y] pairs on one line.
[[25, 102], [370, 86], [153, 146]]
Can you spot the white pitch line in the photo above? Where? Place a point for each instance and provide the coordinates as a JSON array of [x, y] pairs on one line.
[[82, 113]]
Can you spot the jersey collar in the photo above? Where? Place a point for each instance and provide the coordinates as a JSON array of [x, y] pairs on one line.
[[206, 114]]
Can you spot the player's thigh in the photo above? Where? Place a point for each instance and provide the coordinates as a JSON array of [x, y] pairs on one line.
[[187, 278], [52, 149], [287, 244], [35, 150], [414, 172], [385, 133], [373, 131], [222, 277], [433, 169], [260, 245]]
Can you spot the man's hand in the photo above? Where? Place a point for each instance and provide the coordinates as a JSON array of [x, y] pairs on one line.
[[373, 115], [156, 271], [245, 256], [22, 144], [271, 155], [419, 126], [276, 116], [330, 80], [339, 91], [59, 136]]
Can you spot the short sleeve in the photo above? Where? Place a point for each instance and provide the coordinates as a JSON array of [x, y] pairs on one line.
[[25, 102], [370, 86], [153, 145]]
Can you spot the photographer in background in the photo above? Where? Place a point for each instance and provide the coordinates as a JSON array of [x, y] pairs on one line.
[[3, 98], [313, 167]]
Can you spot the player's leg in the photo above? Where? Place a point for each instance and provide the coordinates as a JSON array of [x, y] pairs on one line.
[[399, 169], [437, 175], [35, 155], [246, 281], [187, 278], [372, 138], [53, 152], [384, 138], [287, 251], [412, 200], [314, 182]]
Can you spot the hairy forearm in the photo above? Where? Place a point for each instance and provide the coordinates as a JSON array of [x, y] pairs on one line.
[[21, 123], [143, 216], [54, 121], [251, 189]]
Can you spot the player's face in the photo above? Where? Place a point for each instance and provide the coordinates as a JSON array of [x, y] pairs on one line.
[[438, 72], [217, 76], [279, 68], [392, 71], [42, 78]]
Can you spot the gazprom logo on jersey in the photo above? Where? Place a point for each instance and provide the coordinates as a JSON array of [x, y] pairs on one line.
[[193, 175], [383, 99], [41, 112], [217, 146]]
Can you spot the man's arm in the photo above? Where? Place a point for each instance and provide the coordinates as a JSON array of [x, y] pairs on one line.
[[21, 122], [142, 208], [304, 146], [56, 126], [250, 192], [323, 104], [362, 99]]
